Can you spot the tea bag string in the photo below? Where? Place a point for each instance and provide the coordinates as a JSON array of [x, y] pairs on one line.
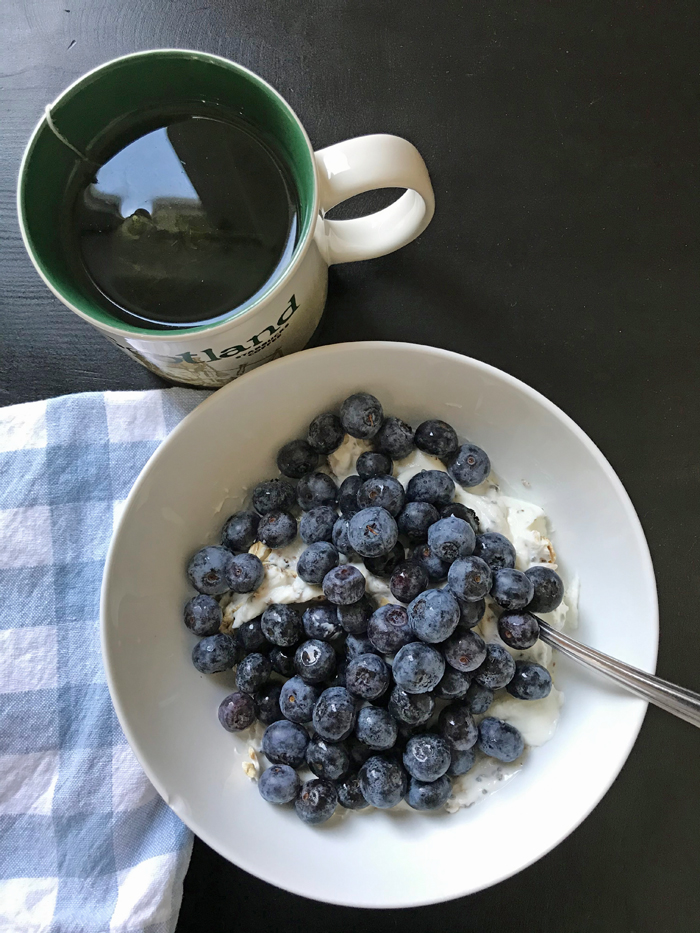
[[57, 133]]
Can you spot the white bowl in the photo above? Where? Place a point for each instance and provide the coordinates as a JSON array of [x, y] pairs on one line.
[[201, 474]]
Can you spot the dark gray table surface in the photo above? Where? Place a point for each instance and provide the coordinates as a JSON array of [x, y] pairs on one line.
[[562, 139]]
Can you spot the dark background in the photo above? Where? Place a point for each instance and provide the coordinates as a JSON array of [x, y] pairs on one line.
[[563, 143]]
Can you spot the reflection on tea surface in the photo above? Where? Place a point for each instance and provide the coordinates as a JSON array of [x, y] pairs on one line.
[[186, 223]]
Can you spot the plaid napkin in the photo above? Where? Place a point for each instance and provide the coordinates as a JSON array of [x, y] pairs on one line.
[[86, 844]]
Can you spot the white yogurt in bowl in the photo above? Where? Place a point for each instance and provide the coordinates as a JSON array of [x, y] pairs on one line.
[[522, 522]]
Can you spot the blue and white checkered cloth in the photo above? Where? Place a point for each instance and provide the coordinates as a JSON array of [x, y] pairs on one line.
[[86, 844]]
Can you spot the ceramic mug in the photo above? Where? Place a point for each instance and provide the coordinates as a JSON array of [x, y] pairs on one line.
[[283, 318]]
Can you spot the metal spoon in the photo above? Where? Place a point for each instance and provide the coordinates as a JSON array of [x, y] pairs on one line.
[[676, 700]]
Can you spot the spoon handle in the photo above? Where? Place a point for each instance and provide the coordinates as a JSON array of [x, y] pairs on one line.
[[675, 700]]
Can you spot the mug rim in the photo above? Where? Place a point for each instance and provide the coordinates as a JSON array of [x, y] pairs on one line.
[[163, 336]]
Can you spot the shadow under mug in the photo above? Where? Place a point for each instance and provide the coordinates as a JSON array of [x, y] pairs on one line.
[[282, 319]]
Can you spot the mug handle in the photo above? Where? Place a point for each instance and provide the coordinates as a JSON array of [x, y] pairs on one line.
[[361, 164]]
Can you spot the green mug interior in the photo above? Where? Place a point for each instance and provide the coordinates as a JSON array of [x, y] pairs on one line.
[[90, 110]]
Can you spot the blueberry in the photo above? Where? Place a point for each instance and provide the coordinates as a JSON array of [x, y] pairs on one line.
[[453, 686], [478, 698], [408, 580], [277, 529], [470, 579], [296, 459], [383, 782], [464, 651], [207, 570], [214, 654], [418, 668], [279, 784], [326, 433], [450, 538], [321, 621], [281, 625], [367, 676], [316, 489], [267, 703], [203, 615], [350, 793], [245, 573], [237, 712], [347, 495], [461, 511], [428, 795], [334, 714], [437, 438], [317, 524], [240, 531], [373, 463], [384, 566], [354, 618], [314, 661], [252, 672], [338, 679], [389, 629], [372, 532], [382, 492], [497, 669], [358, 751], [433, 566], [361, 415], [395, 438], [411, 708], [472, 612], [461, 761], [377, 728], [250, 637], [530, 682], [274, 495], [316, 801], [344, 585], [549, 589], [432, 486], [340, 536], [297, 700], [434, 615], [355, 645], [511, 589], [470, 465], [394, 754], [327, 759], [316, 561], [282, 662], [415, 519], [426, 757], [495, 549], [498, 739], [518, 629], [284, 743], [407, 731], [457, 726]]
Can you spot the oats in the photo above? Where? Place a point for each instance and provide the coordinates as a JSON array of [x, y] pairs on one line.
[[260, 550], [252, 767]]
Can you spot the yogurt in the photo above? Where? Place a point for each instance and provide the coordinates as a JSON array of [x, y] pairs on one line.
[[523, 523]]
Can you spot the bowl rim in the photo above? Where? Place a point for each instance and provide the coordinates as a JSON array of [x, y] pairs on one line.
[[635, 715]]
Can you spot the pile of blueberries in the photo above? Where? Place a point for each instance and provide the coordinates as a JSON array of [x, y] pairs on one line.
[[391, 692]]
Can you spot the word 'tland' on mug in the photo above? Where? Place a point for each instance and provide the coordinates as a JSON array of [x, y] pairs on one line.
[[188, 268], [253, 345]]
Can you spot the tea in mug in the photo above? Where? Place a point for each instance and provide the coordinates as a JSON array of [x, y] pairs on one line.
[[181, 219]]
